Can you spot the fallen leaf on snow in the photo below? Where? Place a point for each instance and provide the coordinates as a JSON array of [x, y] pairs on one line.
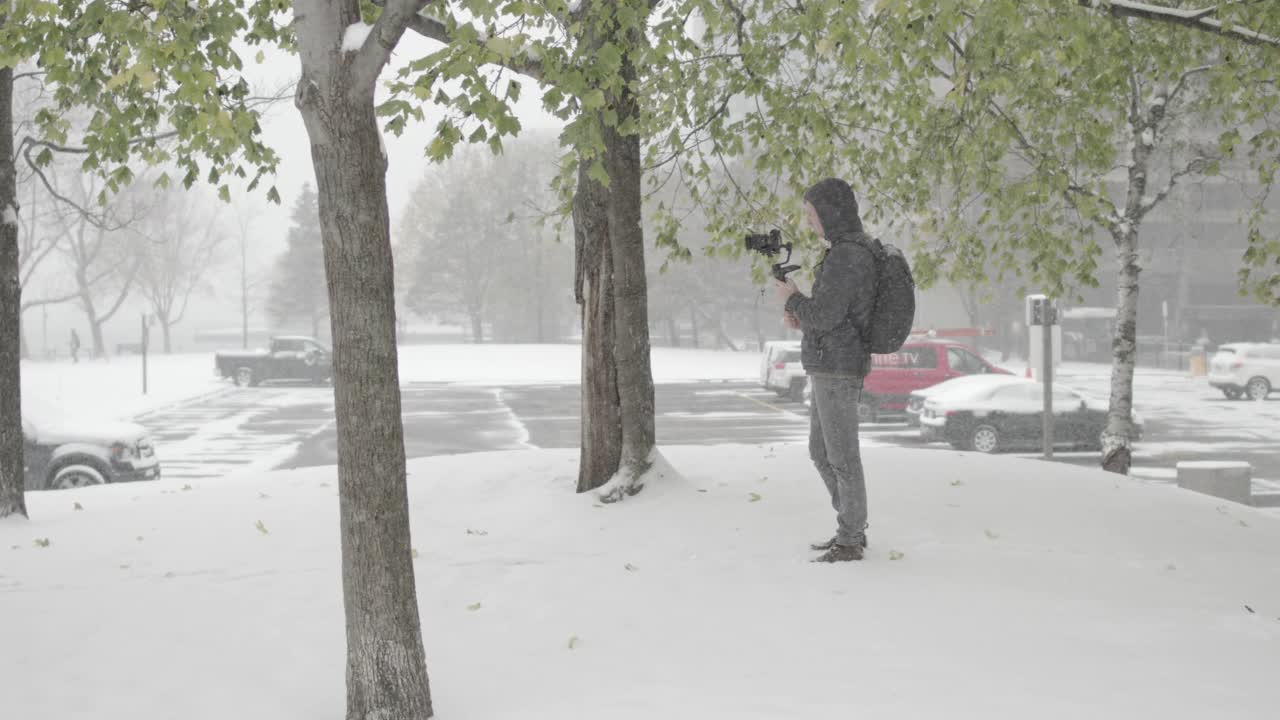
[[1251, 610], [186, 488], [573, 641], [473, 607], [755, 497], [77, 506], [895, 555], [477, 532], [630, 568], [42, 542], [414, 553], [992, 534], [262, 528], [957, 483]]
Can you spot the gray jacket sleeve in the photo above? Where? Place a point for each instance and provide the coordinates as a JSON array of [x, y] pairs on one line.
[[846, 289]]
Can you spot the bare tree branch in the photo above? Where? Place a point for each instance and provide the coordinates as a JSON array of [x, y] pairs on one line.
[[433, 29], [1194, 166], [56, 300], [1197, 19]]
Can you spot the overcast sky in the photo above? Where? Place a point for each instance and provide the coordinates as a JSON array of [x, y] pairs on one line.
[[285, 132]]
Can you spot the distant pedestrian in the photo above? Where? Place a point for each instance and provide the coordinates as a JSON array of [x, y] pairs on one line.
[[75, 346]]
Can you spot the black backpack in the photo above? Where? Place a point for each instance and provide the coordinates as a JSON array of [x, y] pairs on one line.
[[894, 313]]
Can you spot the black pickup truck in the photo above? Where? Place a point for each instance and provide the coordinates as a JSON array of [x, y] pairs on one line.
[[290, 359]]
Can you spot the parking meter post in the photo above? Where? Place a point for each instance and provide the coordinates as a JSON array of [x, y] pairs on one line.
[[144, 353], [1048, 317]]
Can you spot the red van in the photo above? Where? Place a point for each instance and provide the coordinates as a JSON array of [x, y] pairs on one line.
[[917, 365]]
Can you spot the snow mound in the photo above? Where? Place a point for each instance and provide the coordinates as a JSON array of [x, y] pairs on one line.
[[993, 588]]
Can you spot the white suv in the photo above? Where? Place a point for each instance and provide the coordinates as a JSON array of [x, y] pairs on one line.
[[780, 370], [1249, 369]]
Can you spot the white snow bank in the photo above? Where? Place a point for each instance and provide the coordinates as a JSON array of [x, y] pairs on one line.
[[1022, 590], [113, 388], [543, 364]]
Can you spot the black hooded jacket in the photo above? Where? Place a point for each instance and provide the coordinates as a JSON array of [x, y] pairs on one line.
[[844, 289]]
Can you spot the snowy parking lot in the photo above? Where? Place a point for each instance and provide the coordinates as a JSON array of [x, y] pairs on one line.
[[461, 399]]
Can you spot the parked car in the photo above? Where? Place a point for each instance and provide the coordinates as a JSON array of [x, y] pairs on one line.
[[1004, 416], [60, 456], [917, 398], [1246, 369], [293, 359], [780, 370], [917, 365]]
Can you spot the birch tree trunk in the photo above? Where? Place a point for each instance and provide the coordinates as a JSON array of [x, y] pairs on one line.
[[1117, 439], [386, 667], [1117, 451], [12, 501]]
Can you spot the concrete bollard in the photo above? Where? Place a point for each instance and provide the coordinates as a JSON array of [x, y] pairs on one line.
[[1228, 480]]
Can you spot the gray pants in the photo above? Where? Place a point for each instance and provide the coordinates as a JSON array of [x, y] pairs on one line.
[[833, 445]]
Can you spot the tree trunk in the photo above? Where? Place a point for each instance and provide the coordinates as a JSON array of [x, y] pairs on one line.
[[166, 330], [601, 449], [91, 314], [1117, 451], [477, 328], [386, 667], [693, 321], [12, 483], [673, 331], [630, 287]]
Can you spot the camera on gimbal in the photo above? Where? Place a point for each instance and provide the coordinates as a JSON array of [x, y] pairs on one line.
[[770, 245]]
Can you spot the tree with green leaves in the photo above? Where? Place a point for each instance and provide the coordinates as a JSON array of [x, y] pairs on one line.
[[298, 283], [1253, 23], [1009, 137], [155, 84], [1059, 132], [589, 58]]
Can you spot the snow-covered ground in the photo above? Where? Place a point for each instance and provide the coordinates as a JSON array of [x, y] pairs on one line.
[[113, 388], [562, 364], [994, 588]]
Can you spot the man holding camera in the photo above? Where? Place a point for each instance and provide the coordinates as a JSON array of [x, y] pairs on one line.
[[836, 357]]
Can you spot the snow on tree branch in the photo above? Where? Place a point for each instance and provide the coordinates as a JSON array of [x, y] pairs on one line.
[[353, 39], [1198, 19], [386, 32]]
